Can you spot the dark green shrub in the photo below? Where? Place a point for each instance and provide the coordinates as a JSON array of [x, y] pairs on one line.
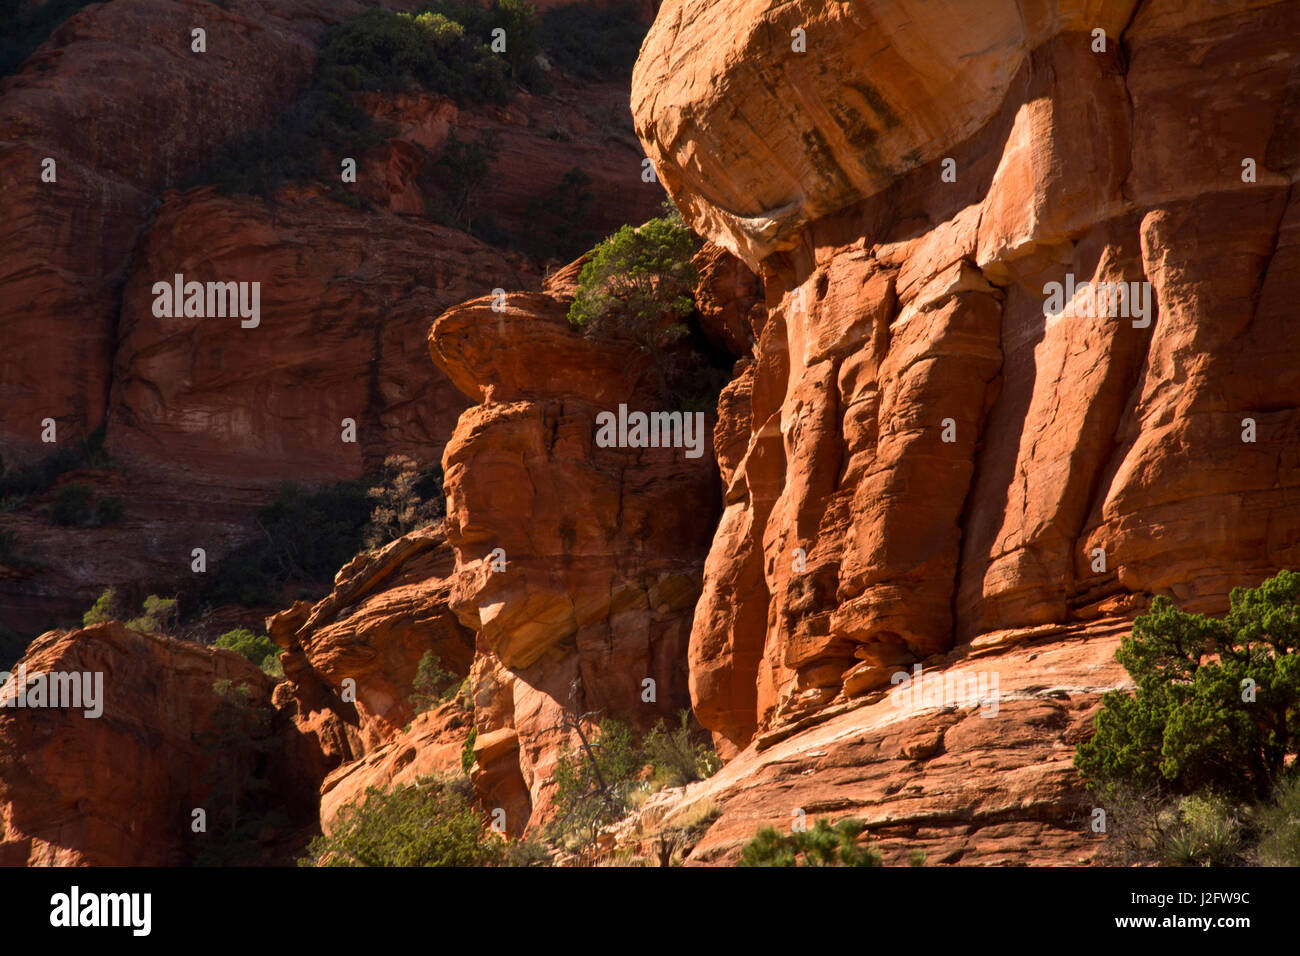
[[75, 507], [519, 21], [637, 288], [72, 505], [823, 845], [28, 25], [262, 160], [467, 751], [239, 801], [593, 781], [429, 824], [1194, 723], [590, 43], [555, 222], [12, 554], [256, 647], [636, 279], [464, 169], [676, 756], [108, 511], [306, 537], [157, 616], [107, 607], [41, 476], [443, 49], [432, 684]]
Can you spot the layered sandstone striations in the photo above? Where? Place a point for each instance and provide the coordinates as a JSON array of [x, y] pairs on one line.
[[125, 107], [533, 142], [119, 788], [924, 448], [351, 662], [345, 298], [387, 610], [988, 783], [578, 566], [206, 418]]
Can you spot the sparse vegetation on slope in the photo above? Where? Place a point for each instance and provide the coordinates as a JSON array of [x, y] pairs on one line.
[[16, 483], [308, 535], [433, 684], [1197, 766], [610, 771], [444, 49], [432, 823], [257, 648]]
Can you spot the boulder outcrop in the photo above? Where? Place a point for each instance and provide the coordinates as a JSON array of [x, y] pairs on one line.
[[577, 565], [1026, 358], [117, 783], [984, 779]]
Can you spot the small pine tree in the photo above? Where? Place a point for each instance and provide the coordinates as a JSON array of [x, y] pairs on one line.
[[433, 684], [823, 845], [107, 607], [1217, 706], [256, 647], [637, 288], [593, 781]]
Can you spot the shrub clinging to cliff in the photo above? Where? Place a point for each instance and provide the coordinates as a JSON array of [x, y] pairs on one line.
[[255, 647], [431, 823], [823, 845], [1217, 705], [637, 287]]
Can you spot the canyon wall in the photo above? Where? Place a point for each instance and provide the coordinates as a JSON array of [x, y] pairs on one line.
[[578, 566], [145, 775], [203, 418], [933, 449], [921, 458]]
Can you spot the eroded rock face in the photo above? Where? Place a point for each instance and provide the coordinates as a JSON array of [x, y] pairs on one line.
[[432, 746], [537, 140], [988, 783], [119, 788], [205, 418], [116, 141], [763, 117], [924, 448], [344, 302], [577, 565], [388, 609]]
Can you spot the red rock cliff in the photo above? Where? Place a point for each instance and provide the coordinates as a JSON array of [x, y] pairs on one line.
[[933, 451]]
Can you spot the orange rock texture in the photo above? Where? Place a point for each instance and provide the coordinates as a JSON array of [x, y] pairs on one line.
[[925, 446], [206, 418], [577, 566], [388, 609], [1007, 286], [120, 787], [987, 783], [116, 141]]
